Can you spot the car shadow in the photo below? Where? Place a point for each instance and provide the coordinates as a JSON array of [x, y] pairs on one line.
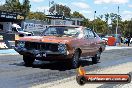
[[61, 66]]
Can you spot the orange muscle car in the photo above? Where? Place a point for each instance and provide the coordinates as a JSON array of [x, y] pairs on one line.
[[61, 43]]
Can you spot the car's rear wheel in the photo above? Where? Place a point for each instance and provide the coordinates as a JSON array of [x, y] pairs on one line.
[[96, 58], [28, 60], [75, 59]]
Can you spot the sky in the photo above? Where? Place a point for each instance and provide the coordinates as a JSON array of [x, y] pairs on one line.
[[88, 7]]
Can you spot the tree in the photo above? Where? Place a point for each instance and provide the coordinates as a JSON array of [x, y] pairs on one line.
[[37, 16], [25, 7], [106, 21], [127, 28], [100, 17], [87, 23], [113, 17], [106, 18], [12, 5], [100, 26], [16, 6], [1, 7], [60, 9], [77, 15]]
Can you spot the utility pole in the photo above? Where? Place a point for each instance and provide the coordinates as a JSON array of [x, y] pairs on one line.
[[94, 21], [55, 9], [117, 22], [49, 8], [44, 11]]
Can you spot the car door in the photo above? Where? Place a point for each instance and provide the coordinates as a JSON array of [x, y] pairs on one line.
[[85, 44], [93, 43]]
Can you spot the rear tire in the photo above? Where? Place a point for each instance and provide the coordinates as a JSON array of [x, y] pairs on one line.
[[96, 58], [28, 60]]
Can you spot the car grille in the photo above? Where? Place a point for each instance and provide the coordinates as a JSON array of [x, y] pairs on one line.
[[41, 46]]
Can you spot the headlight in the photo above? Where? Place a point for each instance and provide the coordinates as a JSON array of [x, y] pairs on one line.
[[21, 44], [62, 48]]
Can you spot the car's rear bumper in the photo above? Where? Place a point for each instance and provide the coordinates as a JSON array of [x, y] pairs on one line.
[[43, 55]]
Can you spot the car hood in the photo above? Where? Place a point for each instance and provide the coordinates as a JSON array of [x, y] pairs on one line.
[[48, 39]]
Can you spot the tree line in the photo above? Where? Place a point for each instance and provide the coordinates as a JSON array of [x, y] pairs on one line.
[[16, 6], [100, 23]]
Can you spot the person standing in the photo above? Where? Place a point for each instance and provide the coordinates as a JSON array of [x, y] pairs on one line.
[[128, 38]]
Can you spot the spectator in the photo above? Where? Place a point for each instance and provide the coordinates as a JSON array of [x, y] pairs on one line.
[[125, 40], [128, 38], [121, 40]]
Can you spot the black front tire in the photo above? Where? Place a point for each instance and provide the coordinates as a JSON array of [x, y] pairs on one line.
[[75, 59], [96, 58], [28, 60]]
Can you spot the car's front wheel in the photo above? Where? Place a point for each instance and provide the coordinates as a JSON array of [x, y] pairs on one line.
[[96, 58], [75, 59], [28, 60]]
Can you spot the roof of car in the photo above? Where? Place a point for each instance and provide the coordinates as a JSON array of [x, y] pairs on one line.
[[65, 26]]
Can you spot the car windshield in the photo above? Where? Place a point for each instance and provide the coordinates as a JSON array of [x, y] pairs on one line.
[[61, 31]]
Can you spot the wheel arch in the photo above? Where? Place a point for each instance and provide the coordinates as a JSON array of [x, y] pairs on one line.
[[100, 49], [80, 51]]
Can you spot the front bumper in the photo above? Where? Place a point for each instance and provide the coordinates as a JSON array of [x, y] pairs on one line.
[[43, 55]]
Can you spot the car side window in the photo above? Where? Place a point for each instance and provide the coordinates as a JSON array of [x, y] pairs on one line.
[[50, 31], [86, 35], [91, 34]]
